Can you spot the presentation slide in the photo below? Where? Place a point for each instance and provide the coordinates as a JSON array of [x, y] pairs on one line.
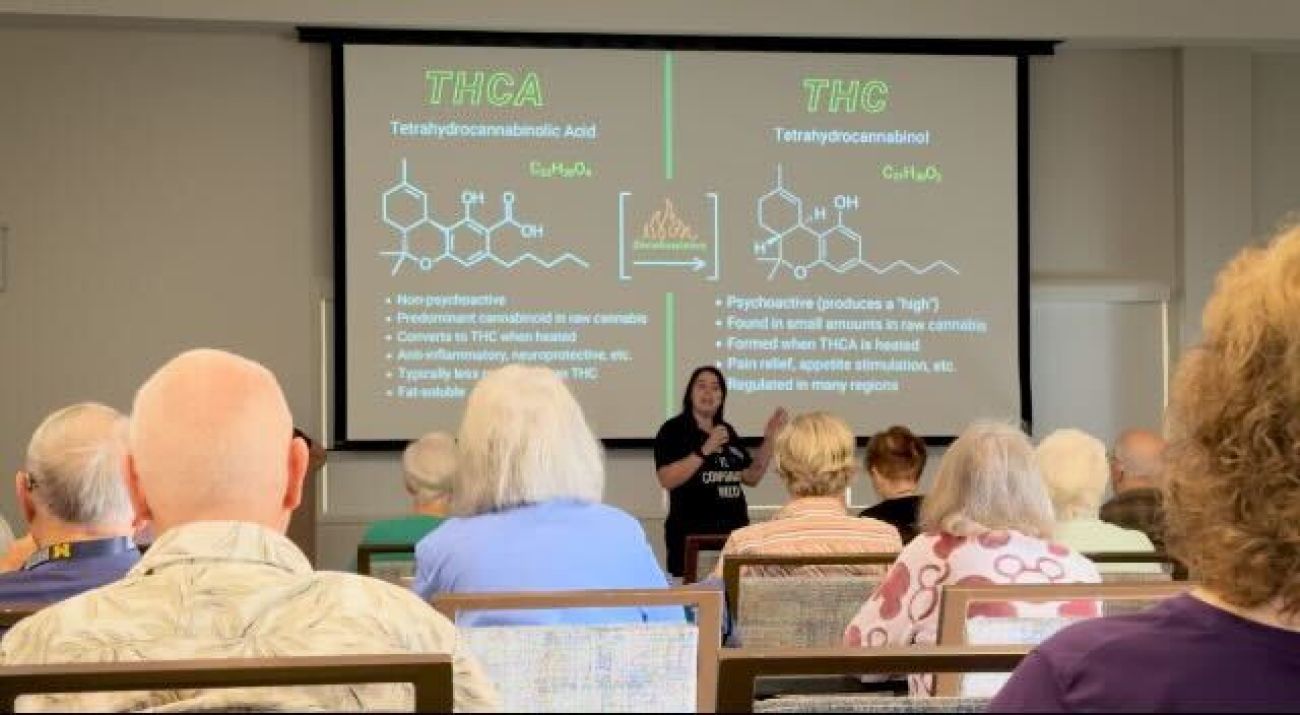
[[834, 232]]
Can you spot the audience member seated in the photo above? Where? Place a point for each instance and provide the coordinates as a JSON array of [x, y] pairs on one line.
[[1232, 506], [213, 463], [988, 520], [527, 505], [1135, 468], [7, 541], [302, 524], [317, 455], [895, 461], [1073, 465], [18, 552], [72, 492], [427, 467], [815, 458]]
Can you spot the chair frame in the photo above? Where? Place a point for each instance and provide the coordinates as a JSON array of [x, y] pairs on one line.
[[12, 613], [954, 604], [733, 563], [1176, 571], [695, 543], [430, 673], [708, 617], [1131, 557], [738, 668], [365, 552]]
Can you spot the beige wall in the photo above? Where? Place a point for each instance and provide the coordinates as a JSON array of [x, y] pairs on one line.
[[1215, 178], [170, 187], [1275, 130], [162, 190], [1102, 165], [1160, 22]]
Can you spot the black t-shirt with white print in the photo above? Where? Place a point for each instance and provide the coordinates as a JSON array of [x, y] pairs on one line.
[[712, 501]]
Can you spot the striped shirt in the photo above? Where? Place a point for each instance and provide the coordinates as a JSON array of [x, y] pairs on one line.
[[813, 525]]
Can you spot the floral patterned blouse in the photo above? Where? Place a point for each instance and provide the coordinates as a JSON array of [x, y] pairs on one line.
[[904, 609]]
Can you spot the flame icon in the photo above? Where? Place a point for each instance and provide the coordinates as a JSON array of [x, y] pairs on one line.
[[666, 225]]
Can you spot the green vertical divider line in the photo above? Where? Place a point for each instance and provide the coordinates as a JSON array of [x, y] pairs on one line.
[[670, 350], [668, 116]]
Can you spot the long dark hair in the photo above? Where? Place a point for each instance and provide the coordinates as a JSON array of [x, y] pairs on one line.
[[722, 383]]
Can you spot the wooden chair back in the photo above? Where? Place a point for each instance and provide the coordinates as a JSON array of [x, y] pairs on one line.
[[429, 673], [367, 552], [695, 544], [707, 605], [738, 668], [955, 602]]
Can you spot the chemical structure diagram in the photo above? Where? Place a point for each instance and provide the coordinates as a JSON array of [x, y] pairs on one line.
[[468, 242], [792, 243]]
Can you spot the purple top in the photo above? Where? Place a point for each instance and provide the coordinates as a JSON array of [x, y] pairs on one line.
[[1178, 656]]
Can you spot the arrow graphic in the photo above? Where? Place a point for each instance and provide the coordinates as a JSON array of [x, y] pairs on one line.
[[695, 264]]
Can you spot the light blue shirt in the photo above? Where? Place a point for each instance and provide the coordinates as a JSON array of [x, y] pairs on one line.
[[559, 545]]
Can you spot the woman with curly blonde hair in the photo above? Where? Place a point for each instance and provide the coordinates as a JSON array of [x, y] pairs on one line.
[[814, 456], [1233, 516]]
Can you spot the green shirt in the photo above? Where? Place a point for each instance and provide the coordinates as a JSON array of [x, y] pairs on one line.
[[404, 530]]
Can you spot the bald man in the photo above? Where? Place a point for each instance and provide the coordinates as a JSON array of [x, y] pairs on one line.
[[213, 463], [1135, 466]]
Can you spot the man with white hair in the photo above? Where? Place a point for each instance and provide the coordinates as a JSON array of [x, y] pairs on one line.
[[213, 462], [1135, 468], [428, 464], [1073, 465], [73, 494]]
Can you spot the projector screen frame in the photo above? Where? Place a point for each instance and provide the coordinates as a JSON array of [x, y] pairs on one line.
[[338, 38]]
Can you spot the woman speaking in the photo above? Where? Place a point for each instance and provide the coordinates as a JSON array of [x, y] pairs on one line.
[[700, 461]]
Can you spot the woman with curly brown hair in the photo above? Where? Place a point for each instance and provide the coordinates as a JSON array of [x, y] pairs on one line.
[[1233, 516]]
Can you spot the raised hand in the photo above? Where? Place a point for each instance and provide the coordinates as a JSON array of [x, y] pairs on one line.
[[775, 422]]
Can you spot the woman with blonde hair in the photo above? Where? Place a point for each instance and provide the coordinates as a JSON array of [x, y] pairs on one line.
[[988, 520], [815, 458], [1232, 500], [1075, 469]]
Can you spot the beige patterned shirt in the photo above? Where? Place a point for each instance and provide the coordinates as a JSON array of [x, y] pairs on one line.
[[221, 589], [812, 526]]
